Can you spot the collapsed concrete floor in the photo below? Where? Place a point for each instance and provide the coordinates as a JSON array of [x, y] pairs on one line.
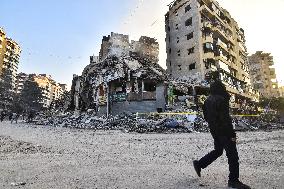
[[48, 157]]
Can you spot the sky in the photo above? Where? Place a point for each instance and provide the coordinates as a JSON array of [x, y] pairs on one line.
[[58, 36]]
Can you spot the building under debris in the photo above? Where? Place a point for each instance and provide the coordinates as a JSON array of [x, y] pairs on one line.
[[202, 37], [124, 78]]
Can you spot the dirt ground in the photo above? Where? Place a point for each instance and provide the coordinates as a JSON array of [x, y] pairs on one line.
[[40, 157]]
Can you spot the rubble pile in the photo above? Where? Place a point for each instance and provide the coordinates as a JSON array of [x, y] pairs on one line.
[[167, 122], [123, 122]]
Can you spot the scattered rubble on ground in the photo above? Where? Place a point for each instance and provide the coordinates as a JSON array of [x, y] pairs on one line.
[[8, 145], [178, 120]]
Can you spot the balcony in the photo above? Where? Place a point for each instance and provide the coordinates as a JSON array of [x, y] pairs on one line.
[[232, 52], [270, 63], [272, 71], [206, 11], [6, 60], [221, 58], [8, 47], [207, 39], [206, 24], [218, 28], [222, 44]]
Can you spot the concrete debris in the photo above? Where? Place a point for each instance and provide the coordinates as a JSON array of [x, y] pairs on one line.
[[152, 123], [18, 183]]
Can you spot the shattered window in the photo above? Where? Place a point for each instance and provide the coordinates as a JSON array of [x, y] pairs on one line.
[[208, 47], [176, 26], [190, 51], [188, 22], [176, 13], [187, 8], [189, 36], [192, 66], [148, 86], [179, 67]]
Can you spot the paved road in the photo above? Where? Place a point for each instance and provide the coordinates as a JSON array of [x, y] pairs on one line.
[[45, 157]]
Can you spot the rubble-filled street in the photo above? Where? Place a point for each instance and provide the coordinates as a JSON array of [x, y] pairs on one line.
[[57, 157]]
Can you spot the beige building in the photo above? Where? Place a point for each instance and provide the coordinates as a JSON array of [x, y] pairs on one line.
[[50, 89], [263, 74], [202, 37], [9, 57]]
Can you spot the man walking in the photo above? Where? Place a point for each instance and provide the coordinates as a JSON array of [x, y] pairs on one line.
[[216, 113]]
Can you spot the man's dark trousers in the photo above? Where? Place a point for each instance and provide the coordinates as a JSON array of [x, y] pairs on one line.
[[221, 143]]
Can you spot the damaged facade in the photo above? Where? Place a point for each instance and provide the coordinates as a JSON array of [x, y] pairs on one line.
[[124, 78], [202, 37], [263, 74]]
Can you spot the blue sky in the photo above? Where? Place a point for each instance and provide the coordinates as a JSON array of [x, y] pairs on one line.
[[58, 36]]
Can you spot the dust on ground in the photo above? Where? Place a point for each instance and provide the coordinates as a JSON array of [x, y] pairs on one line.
[[40, 157]]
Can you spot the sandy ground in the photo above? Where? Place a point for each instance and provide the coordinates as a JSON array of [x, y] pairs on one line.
[[47, 157]]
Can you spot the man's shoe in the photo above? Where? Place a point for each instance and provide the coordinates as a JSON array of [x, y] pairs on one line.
[[197, 167], [238, 184]]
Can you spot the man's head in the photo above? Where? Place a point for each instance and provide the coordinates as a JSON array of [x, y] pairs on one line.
[[218, 88]]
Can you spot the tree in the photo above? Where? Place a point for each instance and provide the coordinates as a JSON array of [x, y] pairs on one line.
[[31, 96], [6, 90]]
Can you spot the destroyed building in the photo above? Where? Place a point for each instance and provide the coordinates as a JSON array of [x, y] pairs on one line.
[[202, 37], [263, 74], [124, 78]]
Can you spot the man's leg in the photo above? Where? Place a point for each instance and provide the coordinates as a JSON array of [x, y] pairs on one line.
[[233, 158], [213, 155]]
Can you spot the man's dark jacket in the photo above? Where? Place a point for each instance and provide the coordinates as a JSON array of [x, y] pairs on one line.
[[216, 111]]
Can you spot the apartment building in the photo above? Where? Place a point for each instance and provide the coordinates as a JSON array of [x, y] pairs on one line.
[[51, 90], [20, 80], [263, 74], [202, 37], [9, 57]]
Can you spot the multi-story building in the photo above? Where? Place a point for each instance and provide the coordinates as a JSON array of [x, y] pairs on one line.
[[9, 57], [50, 89], [202, 37], [20, 80], [263, 74]]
